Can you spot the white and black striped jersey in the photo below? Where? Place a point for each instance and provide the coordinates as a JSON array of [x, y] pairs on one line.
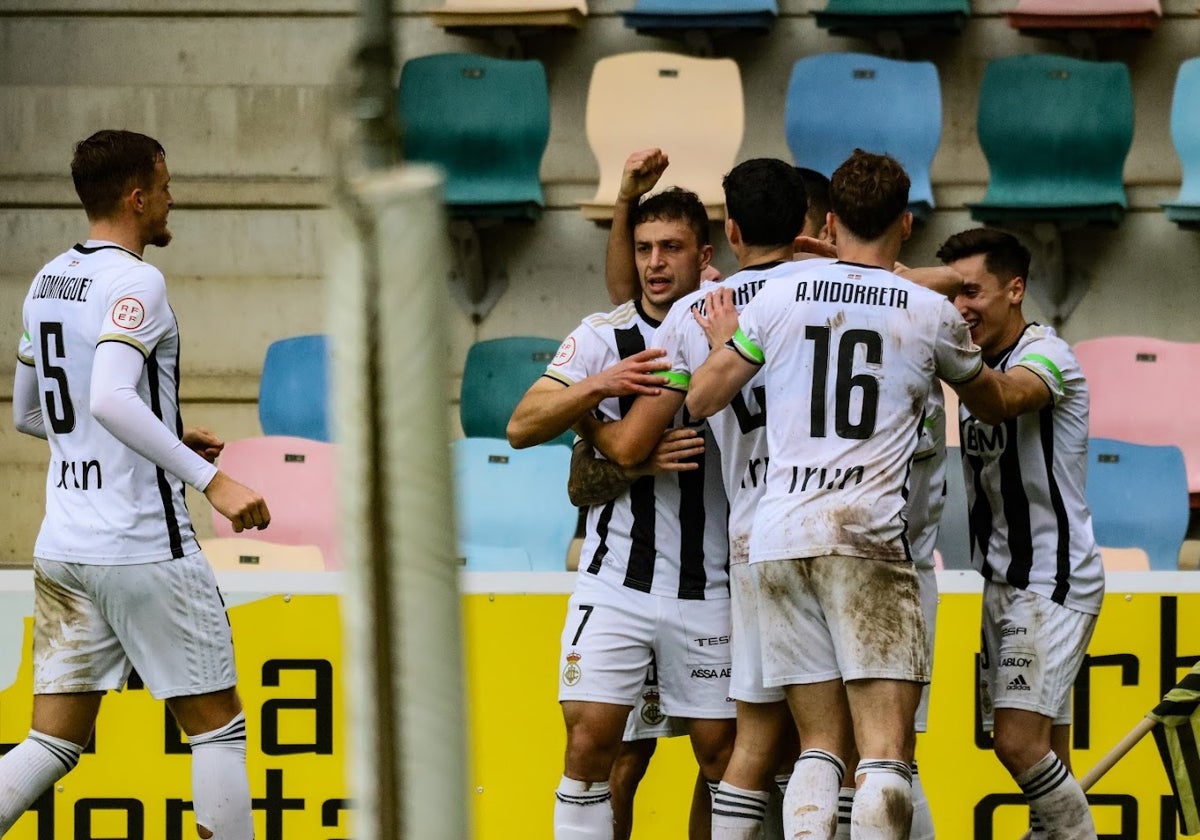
[[105, 503], [740, 428], [666, 534], [923, 511], [848, 353], [1029, 520]]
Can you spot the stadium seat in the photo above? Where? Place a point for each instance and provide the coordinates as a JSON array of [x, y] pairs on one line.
[[1185, 132], [228, 554], [459, 15], [837, 102], [1056, 132], [486, 122], [293, 390], [954, 539], [663, 17], [1124, 559], [859, 17], [512, 509], [691, 108], [496, 375], [1138, 496], [1039, 16], [296, 478], [1139, 393]]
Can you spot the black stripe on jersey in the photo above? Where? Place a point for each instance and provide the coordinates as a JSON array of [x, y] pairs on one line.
[[83, 249], [1016, 510], [164, 485], [190, 533], [979, 518], [602, 533], [639, 572], [1062, 567], [692, 577]]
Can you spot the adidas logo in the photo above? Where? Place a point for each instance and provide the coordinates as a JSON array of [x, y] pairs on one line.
[[1019, 684]]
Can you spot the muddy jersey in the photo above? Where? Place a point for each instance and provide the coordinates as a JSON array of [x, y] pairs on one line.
[[1029, 520], [666, 534], [740, 428], [105, 503], [923, 512], [848, 353]]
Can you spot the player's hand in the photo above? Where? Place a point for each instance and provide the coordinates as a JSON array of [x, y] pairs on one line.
[[676, 451], [641, 173], [811, 246], [238, 503], [203, 442], [720, 318], [637, 374]]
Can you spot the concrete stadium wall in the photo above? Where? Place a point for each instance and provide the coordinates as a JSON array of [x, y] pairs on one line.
[[240, 92]]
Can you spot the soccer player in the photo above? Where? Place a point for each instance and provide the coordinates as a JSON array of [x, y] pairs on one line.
[[652, 575], [848, 351], [119, 580], [1031, 532]]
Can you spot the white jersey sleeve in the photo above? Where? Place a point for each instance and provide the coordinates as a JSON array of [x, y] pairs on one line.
[[1052, 361], [957, 358], [138, 312], [575, 359]]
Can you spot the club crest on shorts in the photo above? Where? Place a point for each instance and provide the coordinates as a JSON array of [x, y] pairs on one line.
[[652, 714], [572, 673]]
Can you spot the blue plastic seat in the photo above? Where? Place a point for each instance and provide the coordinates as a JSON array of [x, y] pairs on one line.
[[1138, 496], [1056, 132], [512, 509], [837, 102], [293, 391], [1185, 132], [486, 122], [954, 535], [659, 16], [496, 375], [857, 17]]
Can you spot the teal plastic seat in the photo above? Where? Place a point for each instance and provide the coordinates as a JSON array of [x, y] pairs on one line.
[[496, 375], [661, 16], [1185, 133], [512, 509], [1138, 496], [858, 17], [293, 391], [1056, 132], [837, 102], [486, 122]]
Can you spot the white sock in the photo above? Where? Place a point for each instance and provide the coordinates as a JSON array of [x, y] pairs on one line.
[[922, 818], [845, 804], [582, 811], [1057, 800], [28, 769], [220, 789], [810, 805], [738, 814], [1036, 829], [883, 800]]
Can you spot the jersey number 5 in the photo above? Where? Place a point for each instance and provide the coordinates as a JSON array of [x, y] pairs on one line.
[[59, 408], [846, 382]]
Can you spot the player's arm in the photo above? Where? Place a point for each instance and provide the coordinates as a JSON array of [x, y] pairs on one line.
[[939, 278], [632, 439], [204, 443], [732, 363], [117, 406], [642, 171], [551, 406], [27, 403], [995, 396], [596, 481]]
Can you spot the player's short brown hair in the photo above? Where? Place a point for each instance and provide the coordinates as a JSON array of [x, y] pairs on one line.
[[868, 193], [107, 164]]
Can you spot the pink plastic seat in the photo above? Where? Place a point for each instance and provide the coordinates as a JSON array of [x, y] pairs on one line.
[[1142, 392], [296, 477], [1085, 14]]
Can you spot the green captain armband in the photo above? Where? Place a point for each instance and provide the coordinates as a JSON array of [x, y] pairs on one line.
[[1045, 364], [747, 348], [676, 380]]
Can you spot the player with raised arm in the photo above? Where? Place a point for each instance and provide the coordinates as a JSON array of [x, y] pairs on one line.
[[119, 579]]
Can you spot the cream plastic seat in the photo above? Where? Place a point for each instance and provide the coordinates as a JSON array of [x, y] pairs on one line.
[[469, 14], [691, 108], [227, 554], [1124, 559]]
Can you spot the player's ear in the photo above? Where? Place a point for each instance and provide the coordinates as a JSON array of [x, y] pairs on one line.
[[732, 232], [706, 253], [1016, 290]]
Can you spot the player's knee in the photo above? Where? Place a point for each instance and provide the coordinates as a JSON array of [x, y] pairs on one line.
[[1016, 752], [590, 754]]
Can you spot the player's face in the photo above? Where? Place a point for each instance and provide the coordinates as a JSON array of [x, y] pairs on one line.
[[156, 204], [990, 306], [669, 262]]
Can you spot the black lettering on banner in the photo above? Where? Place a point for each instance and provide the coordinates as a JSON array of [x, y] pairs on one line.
[[1169, 657], [1081, 705], [748, 421], [135, 818], [321, 706], [1167, 816], [176, 808], [985, 811], [331, 810], [43, 808], [846, 382], [587, 613], [274, 804], [983, 737], [173, 742], [58, 407]]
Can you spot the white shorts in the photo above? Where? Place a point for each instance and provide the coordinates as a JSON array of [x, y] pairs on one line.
[[1032, 651], [647, 720], [92, 624], [848, 618], [927, 584], [747, 683], [611, 632]]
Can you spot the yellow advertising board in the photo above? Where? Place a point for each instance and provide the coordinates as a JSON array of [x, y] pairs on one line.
[[135, 782]]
